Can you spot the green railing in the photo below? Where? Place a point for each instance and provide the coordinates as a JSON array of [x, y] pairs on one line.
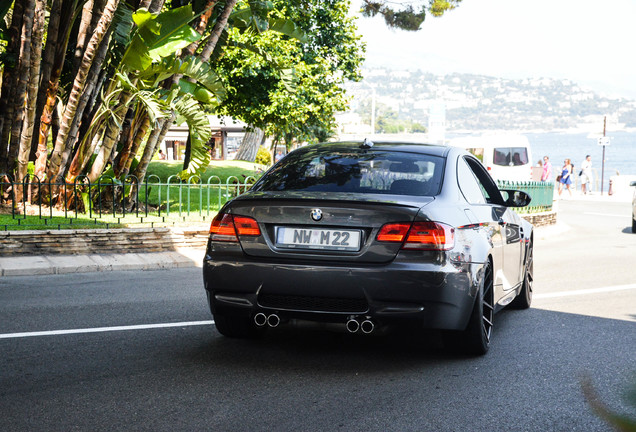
[[542, 194], [109, 202], [32, 204]]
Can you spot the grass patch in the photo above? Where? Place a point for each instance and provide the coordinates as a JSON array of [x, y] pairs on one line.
[[221, 169], [130, 220], [177, 204]]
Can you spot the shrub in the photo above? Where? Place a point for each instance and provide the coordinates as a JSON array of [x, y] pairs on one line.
[[263, 156]]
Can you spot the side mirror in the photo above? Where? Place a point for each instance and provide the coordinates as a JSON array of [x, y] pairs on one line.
[[515, 198]]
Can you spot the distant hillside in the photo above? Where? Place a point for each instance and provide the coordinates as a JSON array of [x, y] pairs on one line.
[[476, 102]]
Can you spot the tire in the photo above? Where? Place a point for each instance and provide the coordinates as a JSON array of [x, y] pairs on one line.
[[524, 298], [633, 224], [475, 340], [236, 326]]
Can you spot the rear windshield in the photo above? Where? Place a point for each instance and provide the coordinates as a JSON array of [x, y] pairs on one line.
[[510, 156], [357, 171]]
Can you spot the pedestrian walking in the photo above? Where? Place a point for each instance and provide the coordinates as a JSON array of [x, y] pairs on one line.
[[565, 179], [547, 169], [586, 175]]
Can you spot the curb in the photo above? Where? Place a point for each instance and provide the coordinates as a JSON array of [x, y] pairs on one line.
[[64, 264]]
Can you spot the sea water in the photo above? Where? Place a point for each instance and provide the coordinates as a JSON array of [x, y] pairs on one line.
[[620, 154]]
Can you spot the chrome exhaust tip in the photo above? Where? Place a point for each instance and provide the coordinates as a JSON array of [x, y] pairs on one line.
[[273, 320], [367, 326], [353, 326], [260, 319]]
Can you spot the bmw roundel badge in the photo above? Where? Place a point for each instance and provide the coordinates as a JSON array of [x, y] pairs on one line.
[[316, 214]]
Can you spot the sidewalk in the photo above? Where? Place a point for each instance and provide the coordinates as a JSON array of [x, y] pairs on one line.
[[61, 264]]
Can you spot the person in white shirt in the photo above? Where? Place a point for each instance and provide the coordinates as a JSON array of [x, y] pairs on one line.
[[586, 175]]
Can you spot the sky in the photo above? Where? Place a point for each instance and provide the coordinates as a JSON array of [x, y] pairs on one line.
[[590, 42]]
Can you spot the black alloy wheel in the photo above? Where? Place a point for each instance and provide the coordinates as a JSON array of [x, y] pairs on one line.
[[475, 340], [488, 306]]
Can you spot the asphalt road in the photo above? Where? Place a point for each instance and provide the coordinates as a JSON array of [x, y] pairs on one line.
[[75, 355]]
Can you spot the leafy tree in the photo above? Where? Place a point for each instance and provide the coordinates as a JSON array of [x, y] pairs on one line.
[[288, 87], [406, 15]]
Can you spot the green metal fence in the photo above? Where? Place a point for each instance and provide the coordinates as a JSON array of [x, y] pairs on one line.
[[542, 194], [32, 204]]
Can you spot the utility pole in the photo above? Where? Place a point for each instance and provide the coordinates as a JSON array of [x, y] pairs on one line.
[[603, 161]]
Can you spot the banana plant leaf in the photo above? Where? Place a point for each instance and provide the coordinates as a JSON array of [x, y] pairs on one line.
[[159, 36]]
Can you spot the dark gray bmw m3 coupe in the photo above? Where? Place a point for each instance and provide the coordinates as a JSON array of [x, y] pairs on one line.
[[366, 236]]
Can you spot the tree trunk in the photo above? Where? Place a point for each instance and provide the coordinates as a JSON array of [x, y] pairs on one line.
[[249, 147], [9, 85], [78, 87], [49, 112], [46, 67], [23, 80], [36, 55], [81, 157], [125, 140], [155, 6], [82, 32], [154, 139], [111, 136], [139, 137], [220, 24]]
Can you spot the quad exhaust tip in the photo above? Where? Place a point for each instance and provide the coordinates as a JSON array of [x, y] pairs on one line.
[[354, 324], [261, 320], [367, 326]]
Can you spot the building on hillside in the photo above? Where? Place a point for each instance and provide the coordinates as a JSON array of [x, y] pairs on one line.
[[227, 135]]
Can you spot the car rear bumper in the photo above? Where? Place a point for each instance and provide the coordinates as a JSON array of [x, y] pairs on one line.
[[436, 296]]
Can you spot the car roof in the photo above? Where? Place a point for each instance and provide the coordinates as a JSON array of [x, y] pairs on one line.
[[403, 146]]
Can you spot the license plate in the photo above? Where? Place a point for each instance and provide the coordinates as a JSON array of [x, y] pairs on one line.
[[317, 238]]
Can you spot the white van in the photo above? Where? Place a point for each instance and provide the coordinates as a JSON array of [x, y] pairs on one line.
[[506, 157]]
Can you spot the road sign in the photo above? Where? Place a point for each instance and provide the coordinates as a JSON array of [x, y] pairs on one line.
[[604, 141]]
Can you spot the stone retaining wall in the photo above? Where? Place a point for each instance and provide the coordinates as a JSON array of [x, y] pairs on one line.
[[541, 219], [130, 240], [121, 240]]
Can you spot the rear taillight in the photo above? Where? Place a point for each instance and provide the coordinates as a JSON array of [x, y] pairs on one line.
[[246, 226], [393, 232], [225, 227], [430, 236], [222, 228], [419, 235]]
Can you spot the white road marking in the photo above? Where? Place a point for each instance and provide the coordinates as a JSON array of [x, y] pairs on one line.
[[199, 323], [585, 291], [103, 329], [607, 214]]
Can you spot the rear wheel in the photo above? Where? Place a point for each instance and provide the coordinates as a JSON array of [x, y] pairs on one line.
[[235, 326], [475, 340], [524, 299]]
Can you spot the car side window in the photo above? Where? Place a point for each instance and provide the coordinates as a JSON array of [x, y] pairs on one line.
[[469, 184], [488, 187]]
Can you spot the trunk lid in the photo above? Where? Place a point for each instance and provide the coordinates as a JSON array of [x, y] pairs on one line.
[[326, 227]]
